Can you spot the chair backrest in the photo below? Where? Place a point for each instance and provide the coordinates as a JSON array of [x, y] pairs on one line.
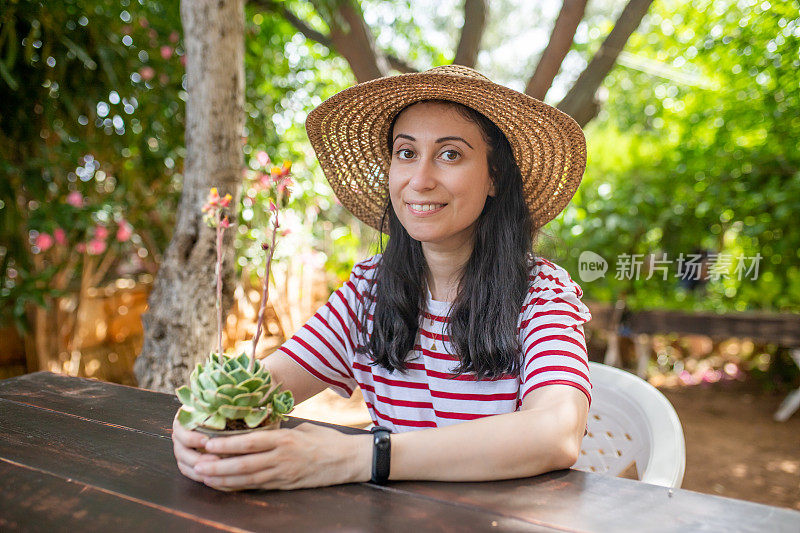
[[630, 421]]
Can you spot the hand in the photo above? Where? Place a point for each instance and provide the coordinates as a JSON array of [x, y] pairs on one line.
[[188, 448], [307, 456]]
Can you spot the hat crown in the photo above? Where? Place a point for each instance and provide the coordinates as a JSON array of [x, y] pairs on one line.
[[457, 70]]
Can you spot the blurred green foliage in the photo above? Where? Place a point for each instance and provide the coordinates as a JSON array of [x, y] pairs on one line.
[[696, 149]]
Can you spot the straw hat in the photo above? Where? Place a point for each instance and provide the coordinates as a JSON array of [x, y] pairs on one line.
[[350, 132]]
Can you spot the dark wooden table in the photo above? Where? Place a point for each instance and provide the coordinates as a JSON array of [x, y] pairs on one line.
[[82, 455]]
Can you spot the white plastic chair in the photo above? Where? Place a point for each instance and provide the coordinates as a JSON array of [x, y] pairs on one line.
[[630, 421]]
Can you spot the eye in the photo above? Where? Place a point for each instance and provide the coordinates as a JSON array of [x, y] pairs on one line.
[[450, 155], [404, 153]]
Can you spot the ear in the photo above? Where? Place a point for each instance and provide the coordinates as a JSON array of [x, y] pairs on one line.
[[491, 188]]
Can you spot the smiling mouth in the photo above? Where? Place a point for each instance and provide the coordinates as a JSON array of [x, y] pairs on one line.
[[424, 209]]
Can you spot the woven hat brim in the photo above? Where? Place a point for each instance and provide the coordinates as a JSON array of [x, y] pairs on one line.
[[349, 134]]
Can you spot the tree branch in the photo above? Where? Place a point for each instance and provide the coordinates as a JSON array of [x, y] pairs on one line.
[[399, 65], [352, 38], [556, 50], [300, 25], [469, 44], [294, 20], [580, 102]]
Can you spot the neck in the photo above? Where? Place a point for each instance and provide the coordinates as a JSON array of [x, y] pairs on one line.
[[446, 262]]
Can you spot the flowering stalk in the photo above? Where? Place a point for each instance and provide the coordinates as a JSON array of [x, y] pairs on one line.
[[214, 218], [220, 232], [280, 176]]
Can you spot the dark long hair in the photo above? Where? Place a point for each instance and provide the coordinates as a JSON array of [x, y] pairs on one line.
[[492, 287]]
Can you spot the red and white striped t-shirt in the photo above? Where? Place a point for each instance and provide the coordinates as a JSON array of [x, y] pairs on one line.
[[426, 396]]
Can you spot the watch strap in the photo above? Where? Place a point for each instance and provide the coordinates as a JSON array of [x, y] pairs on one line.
[[381, 454]]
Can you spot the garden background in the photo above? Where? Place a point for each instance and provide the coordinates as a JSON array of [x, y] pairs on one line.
[[692, 135]]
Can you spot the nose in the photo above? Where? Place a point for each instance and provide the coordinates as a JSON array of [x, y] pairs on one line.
[[422, 178]]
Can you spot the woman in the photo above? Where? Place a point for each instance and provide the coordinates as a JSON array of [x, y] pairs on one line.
[[456, 320]]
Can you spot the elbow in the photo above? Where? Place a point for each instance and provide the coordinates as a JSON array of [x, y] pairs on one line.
[[568, 443], [569, 450]]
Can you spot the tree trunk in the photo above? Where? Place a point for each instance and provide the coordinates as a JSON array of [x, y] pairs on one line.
[[556, 50], [580, 102], [180, 325], [475, 15]]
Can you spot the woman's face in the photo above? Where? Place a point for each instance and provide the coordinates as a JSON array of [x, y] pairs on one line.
[[439, 175]]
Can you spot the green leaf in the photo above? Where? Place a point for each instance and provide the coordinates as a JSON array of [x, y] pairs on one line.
[[190, 419], [283, 402], [206, 382], [252, 384], [184, 394], [210, 397], [250, 399], [194, 383], [240, 375], [233, 412], [256, 417], [8, 77], [215, 421], [243, 360], [232, 391], [221, 377], [88, 62]]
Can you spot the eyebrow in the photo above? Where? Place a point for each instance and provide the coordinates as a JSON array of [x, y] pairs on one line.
[[439, 140]]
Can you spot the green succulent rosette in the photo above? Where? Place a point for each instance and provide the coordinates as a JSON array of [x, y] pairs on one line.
[[224, 389]]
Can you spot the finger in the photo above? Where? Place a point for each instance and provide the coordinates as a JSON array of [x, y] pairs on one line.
[[261, 479], [239, 465], [189, 472], [190, 439], [189, 456], [260, 441]]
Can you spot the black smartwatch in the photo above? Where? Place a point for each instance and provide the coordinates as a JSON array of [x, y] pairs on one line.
[[381, 454]]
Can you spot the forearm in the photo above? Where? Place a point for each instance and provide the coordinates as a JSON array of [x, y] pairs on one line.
[[519, 444]]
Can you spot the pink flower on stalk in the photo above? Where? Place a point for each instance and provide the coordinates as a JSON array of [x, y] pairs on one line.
[[173, 37], [44, 241], [100, 232], [75, 199], [281, 171], [96, 247], [183, 60], [147, 73], [264, 180], [60, 236], [224, 223], [166, 52], [284, 184], [273, 207], [124, 231], [263, 158], [215, 207]]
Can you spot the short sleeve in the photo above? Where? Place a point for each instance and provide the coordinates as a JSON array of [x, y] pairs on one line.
[[325, 345], [551, 332]]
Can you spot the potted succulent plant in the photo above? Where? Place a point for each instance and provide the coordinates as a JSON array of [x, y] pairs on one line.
[[235, 394]]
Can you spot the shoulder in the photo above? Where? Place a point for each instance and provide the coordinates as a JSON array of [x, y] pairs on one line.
[[366, 269], [547, 277], [362, 277]]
